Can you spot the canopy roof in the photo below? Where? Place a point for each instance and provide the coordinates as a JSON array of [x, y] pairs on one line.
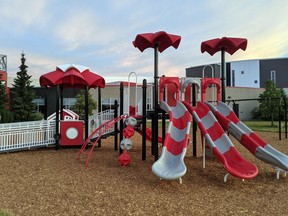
[[230, 45], [161, 38], [71, 75]]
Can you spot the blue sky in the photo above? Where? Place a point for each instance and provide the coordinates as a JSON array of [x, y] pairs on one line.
[[99, 34]]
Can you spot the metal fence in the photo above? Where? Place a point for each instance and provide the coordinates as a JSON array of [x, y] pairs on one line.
[[35, 134], [100, 118], [26, 135]]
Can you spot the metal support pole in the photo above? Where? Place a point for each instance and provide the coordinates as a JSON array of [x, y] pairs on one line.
[[121, 113], [86, 112], [285, 116], [279, 121], [164, 118], [194, 130], [155, 117], [99, 110], [223, 74], [115, 126], [61, 102], [46, 104], [57, 136], [144, 118]]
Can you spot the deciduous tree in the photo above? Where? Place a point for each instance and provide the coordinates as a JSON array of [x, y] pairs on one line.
[[79, 106], [271, 99]]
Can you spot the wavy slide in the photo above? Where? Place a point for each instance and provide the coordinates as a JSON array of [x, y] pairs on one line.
[[170, 165], [222, 147], [248, 138]]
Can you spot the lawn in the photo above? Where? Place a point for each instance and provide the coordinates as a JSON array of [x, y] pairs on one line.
[[264, 126]]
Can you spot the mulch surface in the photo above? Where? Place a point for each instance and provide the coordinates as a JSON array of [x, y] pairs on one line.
[[49, 182]]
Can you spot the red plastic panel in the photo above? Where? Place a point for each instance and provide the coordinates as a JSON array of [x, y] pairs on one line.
[[181, 122], [175, 147], [258, 139], [249, 143], [237, 166], [216, 131]]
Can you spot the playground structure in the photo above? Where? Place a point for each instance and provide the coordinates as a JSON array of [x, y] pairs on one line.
[[180, 98], [170, 165]]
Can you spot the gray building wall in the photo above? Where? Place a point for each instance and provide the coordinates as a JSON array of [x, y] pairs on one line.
[[198, 71], [280, 66]]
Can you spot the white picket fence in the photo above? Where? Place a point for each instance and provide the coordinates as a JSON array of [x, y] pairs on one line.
[[26, 135]]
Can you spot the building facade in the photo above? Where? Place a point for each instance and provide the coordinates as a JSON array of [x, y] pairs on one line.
[[247, 73], [246, 80]]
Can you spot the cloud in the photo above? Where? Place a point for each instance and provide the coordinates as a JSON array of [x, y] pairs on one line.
[[78, 29], [100, 35], [18, 15], [37, 64]]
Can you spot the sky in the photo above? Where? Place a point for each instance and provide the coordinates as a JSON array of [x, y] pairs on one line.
[[99, 33]]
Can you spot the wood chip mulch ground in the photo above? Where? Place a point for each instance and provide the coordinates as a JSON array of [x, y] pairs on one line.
[[48, 182]]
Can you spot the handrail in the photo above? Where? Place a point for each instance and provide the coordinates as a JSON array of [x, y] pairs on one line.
[[135, 93]]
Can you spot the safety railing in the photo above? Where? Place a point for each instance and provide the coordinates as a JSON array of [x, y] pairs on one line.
[[100, 118], [26, 135]]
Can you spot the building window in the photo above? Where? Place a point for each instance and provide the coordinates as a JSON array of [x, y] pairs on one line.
[[242, 72], [69, 102], [108, 103], [39, 102], [273, 76], [233, 77]]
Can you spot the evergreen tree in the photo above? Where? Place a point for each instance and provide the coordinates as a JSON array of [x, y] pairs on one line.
[[269, 105], [79, 106], [3, 101], [22, 95]]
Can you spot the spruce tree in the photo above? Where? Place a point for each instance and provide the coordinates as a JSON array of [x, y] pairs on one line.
[[22, 95], [3, 101]]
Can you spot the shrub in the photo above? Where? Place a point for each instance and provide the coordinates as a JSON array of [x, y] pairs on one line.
[[6, 117], [256, 114], [36, 116]]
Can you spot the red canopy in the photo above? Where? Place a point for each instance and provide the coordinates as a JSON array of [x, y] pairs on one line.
[[230, 45], [72, 76], [161, 38]]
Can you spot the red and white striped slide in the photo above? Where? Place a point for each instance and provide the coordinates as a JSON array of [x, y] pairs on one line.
[[248, 138], [170, 165], [222, 147]]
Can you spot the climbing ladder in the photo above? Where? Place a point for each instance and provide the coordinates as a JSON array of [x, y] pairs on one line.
[[97, 133]]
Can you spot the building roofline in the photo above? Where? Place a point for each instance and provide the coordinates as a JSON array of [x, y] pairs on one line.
[[263, 59]]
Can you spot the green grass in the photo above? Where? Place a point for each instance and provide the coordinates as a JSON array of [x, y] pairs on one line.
[[4, 213], [255, 125], [263, 126]]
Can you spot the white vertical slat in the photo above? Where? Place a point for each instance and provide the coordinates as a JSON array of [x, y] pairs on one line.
[[24, 135]]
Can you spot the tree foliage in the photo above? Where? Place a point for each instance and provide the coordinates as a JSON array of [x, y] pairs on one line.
[[4, 112], [79, 106], [271, 99], [22, 94]]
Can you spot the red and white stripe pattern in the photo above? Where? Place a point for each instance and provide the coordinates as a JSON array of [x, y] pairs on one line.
[[222, 147], [248, 138], [170, 165]]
